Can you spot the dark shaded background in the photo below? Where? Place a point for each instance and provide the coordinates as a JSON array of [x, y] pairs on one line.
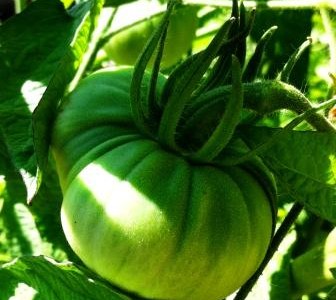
[[6, 9]]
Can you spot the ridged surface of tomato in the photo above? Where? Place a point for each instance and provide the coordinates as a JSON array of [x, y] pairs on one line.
[[149, 220]]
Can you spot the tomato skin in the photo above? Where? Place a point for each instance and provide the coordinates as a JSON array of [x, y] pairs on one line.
[[149, 220], [125, 47]]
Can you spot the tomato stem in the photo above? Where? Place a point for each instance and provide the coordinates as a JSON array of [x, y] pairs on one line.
[[264, 97], [272, 95], [277, 136], [278, 237]]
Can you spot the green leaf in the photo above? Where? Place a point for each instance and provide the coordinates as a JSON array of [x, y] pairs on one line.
[[40, 50], [304, 164], [22, 234], [311, 269], [31, 44], [333, 271], [20, 227], [14, 181], [332, 294], [117, 2], [280, 281], [84, 21], [46, 209], [43, 278]]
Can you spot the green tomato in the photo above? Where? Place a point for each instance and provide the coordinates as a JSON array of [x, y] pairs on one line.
[[149, 220], [125, 47]]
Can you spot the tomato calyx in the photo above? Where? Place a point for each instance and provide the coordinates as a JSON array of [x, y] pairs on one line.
[[160, 117], [178, 93], [144, 113], [209, 88]]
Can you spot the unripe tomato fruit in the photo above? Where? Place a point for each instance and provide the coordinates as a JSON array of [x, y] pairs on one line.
[[147, 219], [125, 47]]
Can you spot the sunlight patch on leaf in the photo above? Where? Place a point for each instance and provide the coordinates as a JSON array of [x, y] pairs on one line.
[[28, 228], [32, 92], [23, 291], [30, 183], [332, 158]]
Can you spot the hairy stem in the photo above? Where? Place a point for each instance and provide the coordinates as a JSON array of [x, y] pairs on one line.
[[263, 97], [277, 136], [279, 95]]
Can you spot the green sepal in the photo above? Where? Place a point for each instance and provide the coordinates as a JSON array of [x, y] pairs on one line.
[[142, 110], [294, 58], [220, 73], [254, 63], [178, 90], [224, 131]]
